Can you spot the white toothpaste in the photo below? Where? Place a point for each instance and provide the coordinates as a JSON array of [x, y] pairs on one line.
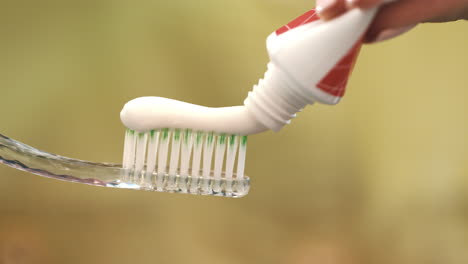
[[310, 61], [146, 113]]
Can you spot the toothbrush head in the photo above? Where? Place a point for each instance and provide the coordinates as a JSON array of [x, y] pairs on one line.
[[180, 161]]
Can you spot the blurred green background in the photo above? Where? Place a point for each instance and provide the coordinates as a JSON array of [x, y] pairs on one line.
[[380, 178]]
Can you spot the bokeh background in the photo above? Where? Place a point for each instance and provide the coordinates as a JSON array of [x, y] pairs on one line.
[[380, 178]]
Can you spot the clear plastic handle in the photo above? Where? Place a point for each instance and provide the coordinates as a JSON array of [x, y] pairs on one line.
[[23, 157]]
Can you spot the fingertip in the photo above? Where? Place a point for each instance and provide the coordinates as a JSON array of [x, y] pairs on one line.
[[388, 34], [364, 4], [324, 8], [323, 5], [329, 9], [351, 4]]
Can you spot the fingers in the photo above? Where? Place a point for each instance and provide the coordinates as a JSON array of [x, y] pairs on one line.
[[387, 34], [329, 9], [397, 16], [404, 14]]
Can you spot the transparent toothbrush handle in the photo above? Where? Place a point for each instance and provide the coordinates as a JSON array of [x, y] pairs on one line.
[[23, 157]]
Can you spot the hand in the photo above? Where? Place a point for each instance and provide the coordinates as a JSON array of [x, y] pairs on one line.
[[399, 16]]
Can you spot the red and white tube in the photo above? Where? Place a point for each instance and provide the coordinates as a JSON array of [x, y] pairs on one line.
[[310, 61]]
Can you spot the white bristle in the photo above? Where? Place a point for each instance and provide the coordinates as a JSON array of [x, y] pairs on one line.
[[163, 151], [126, 149], [141, 142], [129, 152], [186, 151], [175, 151], [241, 157], [197, 150], [208, 154], [151, 157], [231, 155], [219, 156]]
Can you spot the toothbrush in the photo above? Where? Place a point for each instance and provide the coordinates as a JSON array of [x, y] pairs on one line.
[[173, 146]]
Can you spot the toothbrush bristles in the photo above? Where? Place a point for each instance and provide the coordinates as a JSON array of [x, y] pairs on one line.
[[151, 157], [181, 160]]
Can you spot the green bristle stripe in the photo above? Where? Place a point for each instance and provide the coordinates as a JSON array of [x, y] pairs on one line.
[[187, 135], [222, 138], [232, 140], [199, 137], [165, 132], [210, 138], [244, 140], [177, 134]]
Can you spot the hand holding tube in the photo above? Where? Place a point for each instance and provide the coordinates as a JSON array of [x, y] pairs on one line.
[[397, 17]]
